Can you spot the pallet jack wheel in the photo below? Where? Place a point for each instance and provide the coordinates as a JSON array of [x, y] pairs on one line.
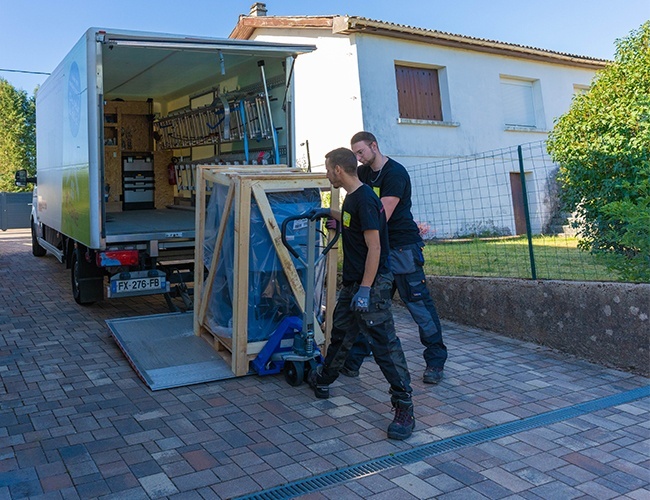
[[294, 372], [309, 366]]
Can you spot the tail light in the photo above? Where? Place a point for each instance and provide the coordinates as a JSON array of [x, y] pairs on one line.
[[118, 258]]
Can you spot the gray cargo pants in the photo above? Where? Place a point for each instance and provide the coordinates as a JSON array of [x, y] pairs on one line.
[[378, 328], [407, 263]]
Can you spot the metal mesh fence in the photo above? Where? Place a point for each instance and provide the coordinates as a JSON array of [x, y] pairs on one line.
[[498, 214]]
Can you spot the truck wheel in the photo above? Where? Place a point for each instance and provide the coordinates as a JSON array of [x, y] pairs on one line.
[[37, 250], [86, 280]]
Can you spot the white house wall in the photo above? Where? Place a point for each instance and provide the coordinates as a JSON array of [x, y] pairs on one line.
[[456, 196], [348, 84], [473, 122], [473, 80]]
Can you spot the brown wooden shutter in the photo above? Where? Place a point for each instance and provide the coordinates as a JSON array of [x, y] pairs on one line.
[[418, 93]]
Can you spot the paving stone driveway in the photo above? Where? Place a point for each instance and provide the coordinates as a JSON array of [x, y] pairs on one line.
[[76, 422]]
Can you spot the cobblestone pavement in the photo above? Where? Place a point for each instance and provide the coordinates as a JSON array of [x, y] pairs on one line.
[[76, 422]]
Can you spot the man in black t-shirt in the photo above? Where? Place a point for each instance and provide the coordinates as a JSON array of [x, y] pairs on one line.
[[364, 302], [391, 183]]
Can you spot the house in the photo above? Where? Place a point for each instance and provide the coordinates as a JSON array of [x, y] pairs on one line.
[[427, 95]]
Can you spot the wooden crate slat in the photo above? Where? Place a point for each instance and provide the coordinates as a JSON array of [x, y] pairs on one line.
[[241, 270], [207, 292]]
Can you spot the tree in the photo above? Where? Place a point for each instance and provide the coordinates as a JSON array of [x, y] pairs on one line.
[[17, 134], [603, 148]]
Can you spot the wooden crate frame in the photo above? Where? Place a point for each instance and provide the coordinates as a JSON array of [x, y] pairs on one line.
[[246, 182]]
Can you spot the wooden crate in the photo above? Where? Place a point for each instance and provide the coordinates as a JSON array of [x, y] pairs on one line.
[[245, 183]]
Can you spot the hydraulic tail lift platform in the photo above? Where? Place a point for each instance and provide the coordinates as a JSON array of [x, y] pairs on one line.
[[165, 353]]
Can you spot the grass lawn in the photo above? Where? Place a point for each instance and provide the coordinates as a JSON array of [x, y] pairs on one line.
[[556, 257]]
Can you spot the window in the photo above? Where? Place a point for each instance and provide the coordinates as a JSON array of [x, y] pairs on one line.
[[518, 104], [418, 93], [522, 104]]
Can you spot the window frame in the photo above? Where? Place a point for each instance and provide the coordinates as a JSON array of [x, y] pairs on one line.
[[538, 122], [409, 104]]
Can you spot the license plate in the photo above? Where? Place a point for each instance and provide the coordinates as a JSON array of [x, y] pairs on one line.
[[138, 284]]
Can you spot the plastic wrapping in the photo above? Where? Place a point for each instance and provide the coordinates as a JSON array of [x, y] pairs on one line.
[[270, 297]]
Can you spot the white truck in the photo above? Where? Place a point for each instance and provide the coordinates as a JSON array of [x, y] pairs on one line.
[[120, 125]]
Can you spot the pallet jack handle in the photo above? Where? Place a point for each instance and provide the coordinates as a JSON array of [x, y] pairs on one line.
[[304, 355], [307, 215]]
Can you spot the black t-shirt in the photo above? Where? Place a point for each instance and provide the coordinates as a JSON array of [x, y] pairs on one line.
[[394, 180], [361, 211]]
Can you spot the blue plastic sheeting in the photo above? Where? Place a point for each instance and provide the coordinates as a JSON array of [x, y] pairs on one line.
[[270, 298]]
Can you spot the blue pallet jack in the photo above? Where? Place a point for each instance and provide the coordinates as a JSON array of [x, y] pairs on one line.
[[292, 347]]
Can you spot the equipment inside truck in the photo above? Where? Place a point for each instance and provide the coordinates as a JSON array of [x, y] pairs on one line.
[[170, 103], [122, 122]]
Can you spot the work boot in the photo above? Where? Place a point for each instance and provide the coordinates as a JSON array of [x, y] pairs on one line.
[[320, 391], [349, 373], [432, 375], [404, 422]]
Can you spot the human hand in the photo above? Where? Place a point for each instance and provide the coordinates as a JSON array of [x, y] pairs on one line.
[[318, 213], [361, 299]]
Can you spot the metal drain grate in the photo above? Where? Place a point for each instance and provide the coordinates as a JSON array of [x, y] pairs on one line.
[[322, 481]]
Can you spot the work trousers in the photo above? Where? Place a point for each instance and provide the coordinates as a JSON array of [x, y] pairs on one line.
[[407, 263], [378, 328]]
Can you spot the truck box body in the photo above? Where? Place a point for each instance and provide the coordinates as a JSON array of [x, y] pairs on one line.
[[122, 119], [68, 152]]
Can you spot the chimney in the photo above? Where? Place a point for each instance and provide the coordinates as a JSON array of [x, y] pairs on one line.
[[258, 9]]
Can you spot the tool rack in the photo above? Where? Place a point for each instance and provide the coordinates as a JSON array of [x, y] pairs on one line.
[[225, 120]]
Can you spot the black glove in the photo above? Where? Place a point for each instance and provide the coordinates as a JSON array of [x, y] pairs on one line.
[[318, 213], [361, 299]]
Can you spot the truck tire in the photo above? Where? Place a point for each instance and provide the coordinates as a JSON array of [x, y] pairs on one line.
[[87, 280], [37, 249]]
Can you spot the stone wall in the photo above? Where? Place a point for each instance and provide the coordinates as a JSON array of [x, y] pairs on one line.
[[606, 323]]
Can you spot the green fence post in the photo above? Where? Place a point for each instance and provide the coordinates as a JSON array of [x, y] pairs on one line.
[[529, 231]]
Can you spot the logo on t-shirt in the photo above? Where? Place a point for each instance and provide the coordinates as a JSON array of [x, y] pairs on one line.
[[346, 219], [376, 190]]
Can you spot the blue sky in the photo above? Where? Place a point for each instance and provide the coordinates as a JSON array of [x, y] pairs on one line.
[[35, 35]]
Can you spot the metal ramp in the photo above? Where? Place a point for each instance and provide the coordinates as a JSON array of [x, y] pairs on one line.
[[165, 353]]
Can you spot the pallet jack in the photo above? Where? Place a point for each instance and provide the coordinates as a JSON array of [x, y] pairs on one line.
[[292, 346]]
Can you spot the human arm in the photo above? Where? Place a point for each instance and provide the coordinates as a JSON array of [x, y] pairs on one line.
[[361, 299], [395, 188], [371, 236], [389, 203]]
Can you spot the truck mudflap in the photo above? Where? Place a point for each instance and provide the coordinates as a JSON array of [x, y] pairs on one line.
[[129, 284]]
